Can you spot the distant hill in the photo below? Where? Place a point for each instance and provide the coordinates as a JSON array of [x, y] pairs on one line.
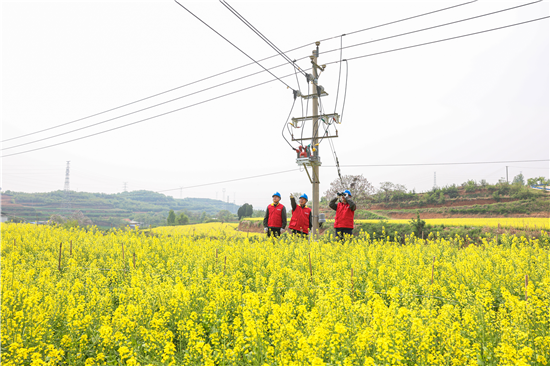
[[108, 209], [468, 200]]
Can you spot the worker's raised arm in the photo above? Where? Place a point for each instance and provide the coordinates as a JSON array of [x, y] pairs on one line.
[[293, 202]]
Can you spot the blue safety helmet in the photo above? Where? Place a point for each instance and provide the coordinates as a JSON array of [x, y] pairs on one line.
[[276, 194], [304, 196], [347, 192]]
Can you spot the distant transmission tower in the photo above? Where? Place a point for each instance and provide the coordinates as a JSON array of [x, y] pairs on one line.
[[67, 191], [125, 186], [435, 182]]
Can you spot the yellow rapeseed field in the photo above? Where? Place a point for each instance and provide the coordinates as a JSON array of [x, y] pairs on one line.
[[210, 229], [542, 223], [203, 299]]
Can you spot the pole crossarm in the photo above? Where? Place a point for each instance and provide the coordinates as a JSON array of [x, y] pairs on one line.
[[322, 116], [325, 136], [309, 96]]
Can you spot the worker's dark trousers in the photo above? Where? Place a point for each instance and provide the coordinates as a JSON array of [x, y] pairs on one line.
[[273, 231], [342, 232], [300, 233]]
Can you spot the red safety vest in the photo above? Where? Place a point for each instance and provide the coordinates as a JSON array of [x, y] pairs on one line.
[[300, 219], [275, 218], [344, 216]]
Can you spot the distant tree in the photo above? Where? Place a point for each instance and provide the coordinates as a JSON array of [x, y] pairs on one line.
[[358, 185], [171, 220], [417, 225], [389, 191], [245, 210], [225, 215], [182, 219], [258, 213], [470, 185], [204, 217], [81, 220], [539, 181], [57, 219], [451, 191], [519, 179], [249, 211]]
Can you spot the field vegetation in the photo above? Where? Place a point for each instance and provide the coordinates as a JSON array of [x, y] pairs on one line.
[[217, 297]]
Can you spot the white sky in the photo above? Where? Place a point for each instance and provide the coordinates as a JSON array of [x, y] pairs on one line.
[[478, 98]]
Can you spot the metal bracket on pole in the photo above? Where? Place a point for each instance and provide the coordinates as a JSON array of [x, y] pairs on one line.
[[321, 116], [322, 68], [316, 179], [309, 176]]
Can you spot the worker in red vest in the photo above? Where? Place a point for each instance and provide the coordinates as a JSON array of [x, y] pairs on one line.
[[275, 217], [300, 223], [345, 211]]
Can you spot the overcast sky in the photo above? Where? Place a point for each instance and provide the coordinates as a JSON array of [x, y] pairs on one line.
[[481, 98]]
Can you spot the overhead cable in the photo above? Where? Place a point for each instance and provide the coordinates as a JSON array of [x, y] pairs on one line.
[[221, 96], [453, 163], [231, 43], [145, 119], [227, 181], [442, 40], [432, 27], [225, 72], [259, 34], [292, 62]]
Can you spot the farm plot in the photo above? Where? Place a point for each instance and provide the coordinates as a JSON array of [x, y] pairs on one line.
[[85, 297]]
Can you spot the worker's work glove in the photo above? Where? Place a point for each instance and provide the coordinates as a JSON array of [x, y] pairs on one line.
[[291, 196], [265, 230]]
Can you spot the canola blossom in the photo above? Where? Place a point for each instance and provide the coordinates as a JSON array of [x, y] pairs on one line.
[[540, 223], [210, 229], [81, 297]]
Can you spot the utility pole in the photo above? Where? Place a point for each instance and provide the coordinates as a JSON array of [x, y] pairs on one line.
[[507, 174], [314, 141], [308, 155]]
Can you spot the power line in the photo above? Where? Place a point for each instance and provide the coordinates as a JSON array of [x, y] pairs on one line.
[[400, 20], [429, 164], [145, 119], [433, 27], [139, 110], [284, 56], [259, 34], [224, 95], [231, 43], [442, 40], [227, 71], [227, 181], [371, 165]]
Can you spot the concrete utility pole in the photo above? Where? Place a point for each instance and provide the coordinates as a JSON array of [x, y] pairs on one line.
[[309, 155], [314, 141]]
